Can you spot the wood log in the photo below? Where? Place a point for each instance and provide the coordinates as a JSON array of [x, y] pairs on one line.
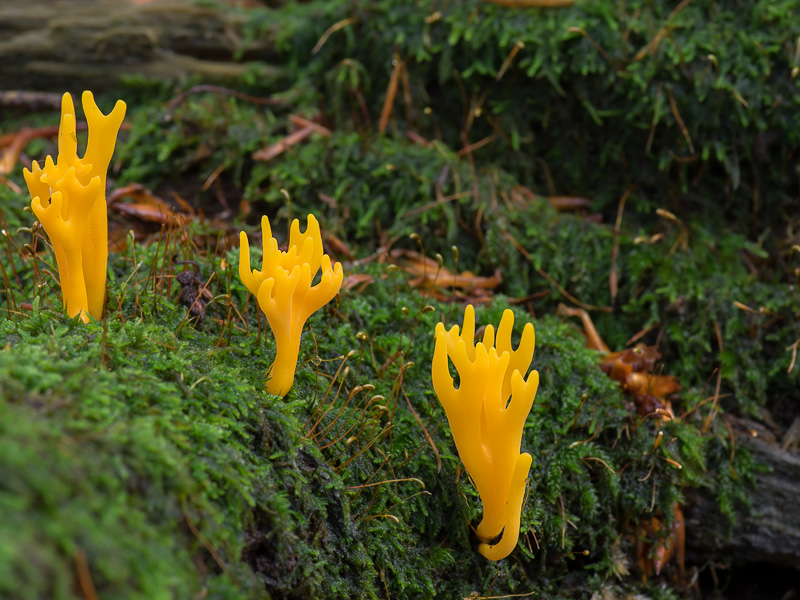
[[770, 531], [78, 44]]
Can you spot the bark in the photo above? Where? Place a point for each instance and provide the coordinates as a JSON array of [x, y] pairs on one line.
[[49, 45], [770, 533]]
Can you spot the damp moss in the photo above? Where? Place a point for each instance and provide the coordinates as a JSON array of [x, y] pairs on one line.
[[144, 450]]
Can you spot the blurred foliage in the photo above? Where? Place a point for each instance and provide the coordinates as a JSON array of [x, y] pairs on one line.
[[693, 103]]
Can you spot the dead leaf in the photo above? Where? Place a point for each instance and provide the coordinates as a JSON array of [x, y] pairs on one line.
[[338, 247], [648, 405], [146, 206], [631, 369], [14, 144], [428, 273], [360, 280], [640, 383], [439, 282], [620, 364], [649, 535]]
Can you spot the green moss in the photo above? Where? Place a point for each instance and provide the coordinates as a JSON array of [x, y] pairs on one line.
[[682, 287], [173, 472], [600, 95]]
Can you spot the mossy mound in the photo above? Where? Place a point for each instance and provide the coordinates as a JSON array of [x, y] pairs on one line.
[[140, 455], [143, 454]]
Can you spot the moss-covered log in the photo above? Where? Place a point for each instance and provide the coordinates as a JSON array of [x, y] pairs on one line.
[[770, 531]]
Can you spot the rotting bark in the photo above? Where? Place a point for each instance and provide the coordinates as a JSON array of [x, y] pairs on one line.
[[771, 532], [47, 45]]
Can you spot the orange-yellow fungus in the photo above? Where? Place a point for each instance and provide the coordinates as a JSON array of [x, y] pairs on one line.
[[69, 199], [285, 294], [486, 427]]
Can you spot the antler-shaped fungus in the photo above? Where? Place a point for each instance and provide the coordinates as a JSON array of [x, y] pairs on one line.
[[75, 218], [486, 427], [284, 291]]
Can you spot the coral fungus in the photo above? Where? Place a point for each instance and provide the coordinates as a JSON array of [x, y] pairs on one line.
[[486, 426], [285, 294], [75, 217]]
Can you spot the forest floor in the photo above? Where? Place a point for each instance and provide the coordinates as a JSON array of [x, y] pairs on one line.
[[140, 454]]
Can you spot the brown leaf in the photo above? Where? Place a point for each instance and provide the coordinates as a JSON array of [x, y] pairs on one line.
[[360, 280], [11, 155], [14, 143], [639, 358], [338, 247], [439, 282], [648, 405], [654, 550], [146, 207], [640, 383], [429, 274]]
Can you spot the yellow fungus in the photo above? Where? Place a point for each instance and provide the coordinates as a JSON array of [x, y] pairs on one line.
[[69, 199], [486, 426], [285, 294]]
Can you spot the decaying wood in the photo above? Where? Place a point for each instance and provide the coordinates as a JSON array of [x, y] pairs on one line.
[[771, 532], [78, 44]]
